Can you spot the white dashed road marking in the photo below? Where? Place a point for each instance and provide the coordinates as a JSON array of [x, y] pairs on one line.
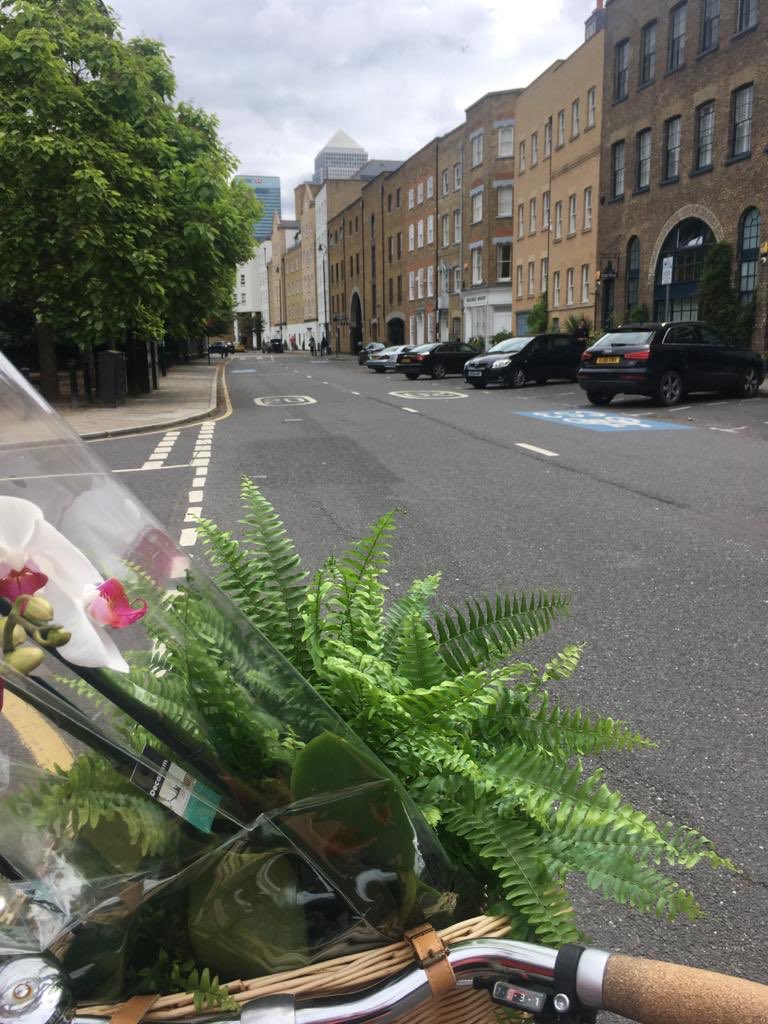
[[406, 409], [538, 451], [162, 450], [201, 457]]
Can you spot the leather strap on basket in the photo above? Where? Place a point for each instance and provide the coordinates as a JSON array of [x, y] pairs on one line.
[[431, 955], [132, 1011]]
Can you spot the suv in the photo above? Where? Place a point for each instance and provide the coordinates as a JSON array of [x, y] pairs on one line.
[[666, 361]]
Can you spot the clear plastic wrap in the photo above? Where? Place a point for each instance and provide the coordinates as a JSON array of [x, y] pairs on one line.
[[171, 790]]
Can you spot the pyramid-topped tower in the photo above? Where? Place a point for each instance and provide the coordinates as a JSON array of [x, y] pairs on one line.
[[340, 157]]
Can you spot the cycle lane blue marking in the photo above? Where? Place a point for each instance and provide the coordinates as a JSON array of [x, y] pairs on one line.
[[588, 419]]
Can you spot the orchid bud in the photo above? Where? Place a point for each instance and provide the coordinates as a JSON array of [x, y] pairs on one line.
[[25, 659], [57, 637], [38, 610], [18, 636]]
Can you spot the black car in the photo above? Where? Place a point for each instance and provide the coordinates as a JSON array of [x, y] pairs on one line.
[[222, 348], [665, 361], [437, 360], [515, 361]]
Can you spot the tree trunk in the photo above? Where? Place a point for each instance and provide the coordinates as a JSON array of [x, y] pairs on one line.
[[46, 355]]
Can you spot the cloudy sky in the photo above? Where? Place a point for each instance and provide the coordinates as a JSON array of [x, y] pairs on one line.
[[284, 75]]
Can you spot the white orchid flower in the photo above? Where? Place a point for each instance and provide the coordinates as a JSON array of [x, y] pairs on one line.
[[36, 558]]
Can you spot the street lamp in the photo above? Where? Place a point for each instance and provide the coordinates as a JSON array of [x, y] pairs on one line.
[[324, 250], [280, 305]]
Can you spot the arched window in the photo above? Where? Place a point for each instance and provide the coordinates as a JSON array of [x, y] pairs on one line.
[[749, 247], [633, 273], [686, 245]]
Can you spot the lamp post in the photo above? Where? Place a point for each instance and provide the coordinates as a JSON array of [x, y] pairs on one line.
[[324, 251], [280, 304]]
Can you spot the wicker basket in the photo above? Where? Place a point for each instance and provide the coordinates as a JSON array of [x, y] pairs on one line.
[[345, 974]]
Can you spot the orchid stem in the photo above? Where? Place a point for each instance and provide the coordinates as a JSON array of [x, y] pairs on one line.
[[8, 628]]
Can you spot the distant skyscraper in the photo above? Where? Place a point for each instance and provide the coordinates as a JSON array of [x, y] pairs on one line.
[[268, 193], [340, 157]]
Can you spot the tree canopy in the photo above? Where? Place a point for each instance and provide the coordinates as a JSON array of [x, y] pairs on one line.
[[118, 211]]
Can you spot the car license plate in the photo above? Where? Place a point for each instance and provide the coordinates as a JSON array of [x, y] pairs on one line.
[[405, 359], [474, 373], [608, 360]]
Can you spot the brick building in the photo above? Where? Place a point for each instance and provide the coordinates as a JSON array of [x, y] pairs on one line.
[[685, 154]]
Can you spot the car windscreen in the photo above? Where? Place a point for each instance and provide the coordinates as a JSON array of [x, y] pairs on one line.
[[510, 345], [423, 348], [623, 339], [393, 351]]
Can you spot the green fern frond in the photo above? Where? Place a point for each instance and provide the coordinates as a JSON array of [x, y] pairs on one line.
[[569, 732], [417, 657], [415, 601], [490, 631], [564, 664]]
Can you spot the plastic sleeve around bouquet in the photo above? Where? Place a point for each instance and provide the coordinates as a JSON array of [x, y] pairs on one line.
[[172, 792]]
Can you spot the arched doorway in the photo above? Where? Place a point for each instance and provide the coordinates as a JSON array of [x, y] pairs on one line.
[[355, 324], [687, 244], [396, 331]]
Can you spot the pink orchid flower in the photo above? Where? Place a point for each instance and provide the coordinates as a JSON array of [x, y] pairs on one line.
[[111, 607], [21, 582]]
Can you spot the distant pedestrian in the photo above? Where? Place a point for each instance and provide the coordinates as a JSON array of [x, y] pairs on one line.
[[312, 345], [582, 331], [325, 348]]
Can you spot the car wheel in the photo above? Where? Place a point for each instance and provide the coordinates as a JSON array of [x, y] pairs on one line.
[[599, 398], [412, 376], [517, 378], [670, 388], [438, 371], [478, 384], [749, 383]]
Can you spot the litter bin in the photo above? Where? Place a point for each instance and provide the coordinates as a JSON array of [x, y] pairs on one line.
[[276, 345], [113, 377]]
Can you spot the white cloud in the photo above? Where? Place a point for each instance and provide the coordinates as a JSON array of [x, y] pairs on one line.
[[284, 75]]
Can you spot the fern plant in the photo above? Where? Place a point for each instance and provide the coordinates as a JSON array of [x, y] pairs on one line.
[[492, 759]]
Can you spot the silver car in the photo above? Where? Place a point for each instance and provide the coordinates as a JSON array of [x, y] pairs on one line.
[[386, 359]]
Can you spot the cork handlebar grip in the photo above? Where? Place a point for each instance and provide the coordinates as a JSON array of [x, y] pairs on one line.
[[659, 993]]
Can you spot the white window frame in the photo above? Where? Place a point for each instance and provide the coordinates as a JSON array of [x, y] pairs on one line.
[[476, 150], [445, 182], [558, 219], [575, 118], [546, 210], [499, 247], [420, 192], [591, 107], [556, 289], [519, 281], [411, 237], [430, 229], [430, 187], [457, 279], [445, 226], [544, 273], [430, 281], [587, 226], [534, 148], [456, 177], [420, 283], [521, 157], [456, 226], [506, 140], [585, 284], [521, 220], [420, 235], [477, 266], [561, 128], [572, 214], [477, 207], [410, 198], [531, 277], [532, 229], [570, 286], [548, 138], [505, 201], [411, 285]]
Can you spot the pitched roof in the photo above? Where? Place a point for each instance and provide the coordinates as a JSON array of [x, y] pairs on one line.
[[342, 141]]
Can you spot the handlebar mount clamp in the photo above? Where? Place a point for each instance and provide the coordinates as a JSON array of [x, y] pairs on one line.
[[566, 1004]]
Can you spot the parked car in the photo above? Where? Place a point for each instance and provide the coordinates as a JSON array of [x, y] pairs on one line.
[[516, 361], [276, 345], [437, 360], [385, 360], [222, 348], [665, 361], [370, 349]]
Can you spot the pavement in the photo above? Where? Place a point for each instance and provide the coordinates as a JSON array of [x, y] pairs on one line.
[[188, 392]]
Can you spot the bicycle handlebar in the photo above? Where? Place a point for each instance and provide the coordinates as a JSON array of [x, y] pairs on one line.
[[567, 985]]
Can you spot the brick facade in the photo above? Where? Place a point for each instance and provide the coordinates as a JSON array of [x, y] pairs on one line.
[[697, 173]]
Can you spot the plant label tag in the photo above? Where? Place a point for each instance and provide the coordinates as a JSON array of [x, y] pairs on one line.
[[173, 786]]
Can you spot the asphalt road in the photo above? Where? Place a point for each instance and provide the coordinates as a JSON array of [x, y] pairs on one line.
[[655, 524]]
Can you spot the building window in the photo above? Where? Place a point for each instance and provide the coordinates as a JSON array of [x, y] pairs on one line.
[[749, 250], [532, 216], [569, 292], [672, 149], [456, 177], [705, 135], [457, 225], [430, 187], [534, 149], [445, 182], [548, 138], [477, 266], [420, 192], [477, 150], [420, 283], [420, 234], [558, 220], [430, 229], [457, 279], [411, 286], [544, 274], [477, 207], [531, 277], [242, 280], [617, 169], [391, 290], [561, 127], [587, 208], [520, 220], [584, 284], [678, 20], [446, 230], [643, 169], [633, 274], [398, 198], [411, 237], [391, 248], [519, 280], [741, 133], [710, 24], [575, 118], [556, 288], [572, 214], [410, 198], [648, 54], [521, 158], [242, 297], [545, 205], [399, 288], [504, 201], [506, 140], [591, 107], [412, 330], [504, 261], [621, 70], [747, 15], [430, 281], [399, 245]]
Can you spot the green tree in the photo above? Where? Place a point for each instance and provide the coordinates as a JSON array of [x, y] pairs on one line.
[[117, 215], [537, 318], [719, 303]]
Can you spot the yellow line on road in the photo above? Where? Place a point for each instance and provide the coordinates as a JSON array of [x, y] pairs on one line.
[[39, 737]]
